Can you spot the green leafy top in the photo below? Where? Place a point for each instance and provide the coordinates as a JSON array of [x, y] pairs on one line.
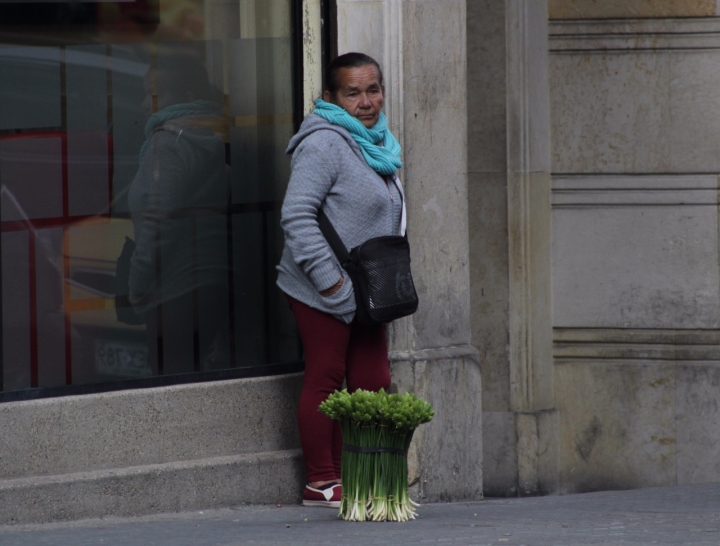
[[401, 411]]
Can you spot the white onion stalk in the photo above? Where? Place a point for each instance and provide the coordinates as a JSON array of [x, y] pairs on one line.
[[377, 429]]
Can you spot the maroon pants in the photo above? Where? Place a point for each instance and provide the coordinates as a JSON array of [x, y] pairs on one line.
[[334, 351]]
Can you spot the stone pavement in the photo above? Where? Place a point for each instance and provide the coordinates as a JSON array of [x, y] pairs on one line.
[[668, 515]]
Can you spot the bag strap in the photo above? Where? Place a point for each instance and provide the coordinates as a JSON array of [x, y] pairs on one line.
[[332, 237], [403, 209]]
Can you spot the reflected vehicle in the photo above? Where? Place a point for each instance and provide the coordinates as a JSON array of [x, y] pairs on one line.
[[75, 274], [64, 198], [111, 349], [71, 129]]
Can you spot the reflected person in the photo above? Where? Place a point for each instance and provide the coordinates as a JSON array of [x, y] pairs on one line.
[[178, 202]]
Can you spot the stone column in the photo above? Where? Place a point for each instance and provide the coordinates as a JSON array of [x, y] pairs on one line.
[[421, 45], [509, 200]]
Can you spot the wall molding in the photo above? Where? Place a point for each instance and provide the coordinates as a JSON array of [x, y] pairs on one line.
[[573, 344], [598, 191], [634, 34], [455, 352]]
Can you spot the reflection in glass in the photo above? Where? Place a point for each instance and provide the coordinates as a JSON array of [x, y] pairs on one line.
[[16, 309], [160, 122], [29, 87], [86, 84], [36, 158], [179, 204]]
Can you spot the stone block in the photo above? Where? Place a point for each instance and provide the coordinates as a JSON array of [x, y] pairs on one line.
[[605, 9], [507, 81], [361, 28], [489, 277], [500, 455], [528, 115], [520, 453], [537, 342], [537, 438], [435, 173], [548, 426], [622, 257], [438, 231], [698, 422], [617, 424], [148, 426], [446, 456], [530, 322], [528, 445], [635, 111], [435, 56], [486, 87]]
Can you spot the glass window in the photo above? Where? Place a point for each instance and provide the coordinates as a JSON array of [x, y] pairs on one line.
[[142, 168]]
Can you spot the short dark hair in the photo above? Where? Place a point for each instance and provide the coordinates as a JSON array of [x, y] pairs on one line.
[[348, 60]]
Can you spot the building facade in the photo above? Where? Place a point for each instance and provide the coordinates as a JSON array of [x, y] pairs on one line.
[[104, 417], [561, 179]]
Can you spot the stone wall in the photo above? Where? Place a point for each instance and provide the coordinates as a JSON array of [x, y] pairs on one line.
[[609, 9], [509, 218], [632, 124], [636, 282]]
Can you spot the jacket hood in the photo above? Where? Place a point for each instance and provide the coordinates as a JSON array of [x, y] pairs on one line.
[[313, 123], [204, 136]]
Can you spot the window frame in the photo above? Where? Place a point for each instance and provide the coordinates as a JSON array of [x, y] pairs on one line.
[[301, 48]]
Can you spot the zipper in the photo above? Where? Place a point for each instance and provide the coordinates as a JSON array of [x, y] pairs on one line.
[[391, 180], [387, 185]]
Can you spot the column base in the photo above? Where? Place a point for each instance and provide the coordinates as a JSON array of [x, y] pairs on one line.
[[445, 459], [520, 450]]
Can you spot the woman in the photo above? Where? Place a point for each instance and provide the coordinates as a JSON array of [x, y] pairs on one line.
[[344, 160]]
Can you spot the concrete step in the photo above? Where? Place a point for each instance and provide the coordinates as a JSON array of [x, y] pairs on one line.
[[256, 478], [148, 426]]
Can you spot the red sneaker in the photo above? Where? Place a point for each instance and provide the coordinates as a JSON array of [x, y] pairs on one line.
[[327, 495]]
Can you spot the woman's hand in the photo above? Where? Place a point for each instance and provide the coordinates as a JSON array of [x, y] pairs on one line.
[[333, 289]]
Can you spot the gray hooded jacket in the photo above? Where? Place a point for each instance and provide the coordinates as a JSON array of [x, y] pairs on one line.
[[178, 201], [329, 170]]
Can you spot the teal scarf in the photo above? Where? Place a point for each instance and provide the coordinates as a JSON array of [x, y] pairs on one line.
[[379, 147], [194, 109]]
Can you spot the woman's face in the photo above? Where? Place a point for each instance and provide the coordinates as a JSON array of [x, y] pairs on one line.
[[360, 93]]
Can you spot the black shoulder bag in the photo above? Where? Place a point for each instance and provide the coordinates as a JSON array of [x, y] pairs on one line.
[[123, 308], [379, 269]]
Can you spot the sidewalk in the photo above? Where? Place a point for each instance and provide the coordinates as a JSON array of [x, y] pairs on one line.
[[669, 515]]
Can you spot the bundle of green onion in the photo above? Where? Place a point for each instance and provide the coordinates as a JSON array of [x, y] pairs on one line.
[[377, 428]]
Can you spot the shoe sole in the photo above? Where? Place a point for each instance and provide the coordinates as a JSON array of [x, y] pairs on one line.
[[323, 504]]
